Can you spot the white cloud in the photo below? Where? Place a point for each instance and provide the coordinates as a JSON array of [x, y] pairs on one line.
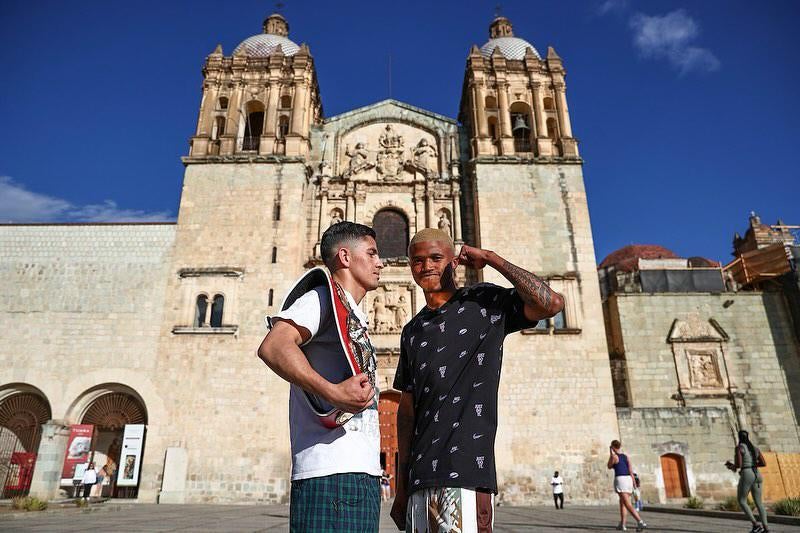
[[612, 5], [17, 204], [670, 36]]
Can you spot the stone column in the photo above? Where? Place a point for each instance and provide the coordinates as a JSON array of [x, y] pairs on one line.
[[273, 97], [323, 212], [480, 110], [298, 111], [538, 110], [350, 207], [456, 212], [503, 112], [207, 316], [563, 113], [429, 223], [49, 460]]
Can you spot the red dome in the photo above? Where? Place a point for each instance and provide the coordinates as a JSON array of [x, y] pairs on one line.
[[627, 257], [703, 262]]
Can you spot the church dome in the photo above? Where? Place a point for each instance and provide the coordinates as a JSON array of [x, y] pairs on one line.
[[276, 32], [627, 257], [501, 35]]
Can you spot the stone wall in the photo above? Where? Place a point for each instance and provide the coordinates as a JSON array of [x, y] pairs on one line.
[[703, 436], [761, 356], [556, 399], [82, 307]]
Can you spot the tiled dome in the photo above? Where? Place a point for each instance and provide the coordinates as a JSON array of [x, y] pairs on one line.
[[265, 44], [627, 257], [276, 33], [510, 47]]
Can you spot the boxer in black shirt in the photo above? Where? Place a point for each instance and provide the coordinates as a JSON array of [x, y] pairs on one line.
[[449, 374]]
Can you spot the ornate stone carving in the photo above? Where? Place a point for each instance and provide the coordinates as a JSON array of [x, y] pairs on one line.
[[389, 308], [424, 156], [703, 371], [336, 216], [358, 159], [444, 223], [390, 158]]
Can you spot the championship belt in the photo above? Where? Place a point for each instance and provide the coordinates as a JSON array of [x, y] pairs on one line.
[[357, 349]]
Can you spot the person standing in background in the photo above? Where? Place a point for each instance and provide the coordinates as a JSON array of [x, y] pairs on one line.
[[558, 489]]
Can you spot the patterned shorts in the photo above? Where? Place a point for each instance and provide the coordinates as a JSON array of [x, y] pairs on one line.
[[450, 510], [340, 502]]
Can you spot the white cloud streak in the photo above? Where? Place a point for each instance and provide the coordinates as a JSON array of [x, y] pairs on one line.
[[612, 5], [671, 37], [18, 204]]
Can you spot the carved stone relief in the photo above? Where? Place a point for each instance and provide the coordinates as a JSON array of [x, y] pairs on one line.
[[389, 307], [703, 370]]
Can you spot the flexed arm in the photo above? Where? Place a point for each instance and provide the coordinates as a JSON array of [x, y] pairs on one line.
[[540, 300]]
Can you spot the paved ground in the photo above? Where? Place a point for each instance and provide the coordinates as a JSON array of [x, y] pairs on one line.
[[220, 518]]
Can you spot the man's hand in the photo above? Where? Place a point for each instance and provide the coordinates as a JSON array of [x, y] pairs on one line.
[[353, 394], [399, 508], [473, 257]]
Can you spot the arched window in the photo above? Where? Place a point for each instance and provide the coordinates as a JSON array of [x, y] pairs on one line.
[[673, 470], [216, 311], [491, 102], [548, 104], [552, 130], [283, 126], [391, 229], [493, 128], [254, 126], [274, 254], [218, 130], [200, 311], [269, 297], [286, 101], [521, 126], [222, 103]]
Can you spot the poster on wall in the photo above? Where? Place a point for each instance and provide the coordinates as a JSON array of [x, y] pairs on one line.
[[79, 446], [131, 455]]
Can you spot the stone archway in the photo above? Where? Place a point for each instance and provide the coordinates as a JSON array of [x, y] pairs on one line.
[[109, 408], [22, 413]]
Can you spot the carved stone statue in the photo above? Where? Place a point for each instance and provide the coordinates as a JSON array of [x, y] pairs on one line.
[[389, 161], [704, 372], [336, 217], [444, 223], [381, 317], [358, 159], [424, 156], [400, 313]]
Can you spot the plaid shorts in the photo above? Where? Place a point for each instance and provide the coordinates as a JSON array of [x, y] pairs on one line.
[[339, 502]]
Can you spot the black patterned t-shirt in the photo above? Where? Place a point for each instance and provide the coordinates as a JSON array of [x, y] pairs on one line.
[[450, 361]]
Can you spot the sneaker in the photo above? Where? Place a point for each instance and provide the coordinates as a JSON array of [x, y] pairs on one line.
[[621, 527], [758, 528], [641, 525]]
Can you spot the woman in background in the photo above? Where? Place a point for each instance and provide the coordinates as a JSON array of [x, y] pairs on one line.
[[747, 460], [623, 484]]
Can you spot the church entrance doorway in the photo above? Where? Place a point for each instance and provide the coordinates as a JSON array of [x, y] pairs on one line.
[[115, 416], [387, 416], [673, 469], [21, 417]]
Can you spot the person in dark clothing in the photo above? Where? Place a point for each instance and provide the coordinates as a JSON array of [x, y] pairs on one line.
[[748, 460], [449, 375]]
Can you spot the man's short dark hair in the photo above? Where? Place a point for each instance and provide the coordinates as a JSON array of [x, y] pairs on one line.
[[338, 234]]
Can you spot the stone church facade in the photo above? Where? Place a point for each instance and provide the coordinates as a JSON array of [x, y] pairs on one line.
[[157, 324]]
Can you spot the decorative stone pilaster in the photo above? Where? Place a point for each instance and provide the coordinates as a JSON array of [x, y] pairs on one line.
[[49, 460]]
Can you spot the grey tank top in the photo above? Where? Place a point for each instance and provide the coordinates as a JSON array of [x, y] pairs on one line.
[[748, 461]]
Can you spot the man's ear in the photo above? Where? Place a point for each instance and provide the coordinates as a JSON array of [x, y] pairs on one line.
[[344, 256]]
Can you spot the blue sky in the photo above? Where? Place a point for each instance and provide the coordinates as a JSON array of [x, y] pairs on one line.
[[686, 112]]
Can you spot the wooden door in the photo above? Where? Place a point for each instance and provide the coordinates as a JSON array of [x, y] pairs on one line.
[[674, 473], [387, 416]]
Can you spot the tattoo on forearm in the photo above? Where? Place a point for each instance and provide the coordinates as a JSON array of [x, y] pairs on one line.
[[532, 289]]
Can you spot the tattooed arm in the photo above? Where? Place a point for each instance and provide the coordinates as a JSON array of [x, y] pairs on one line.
[[540, 300]]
